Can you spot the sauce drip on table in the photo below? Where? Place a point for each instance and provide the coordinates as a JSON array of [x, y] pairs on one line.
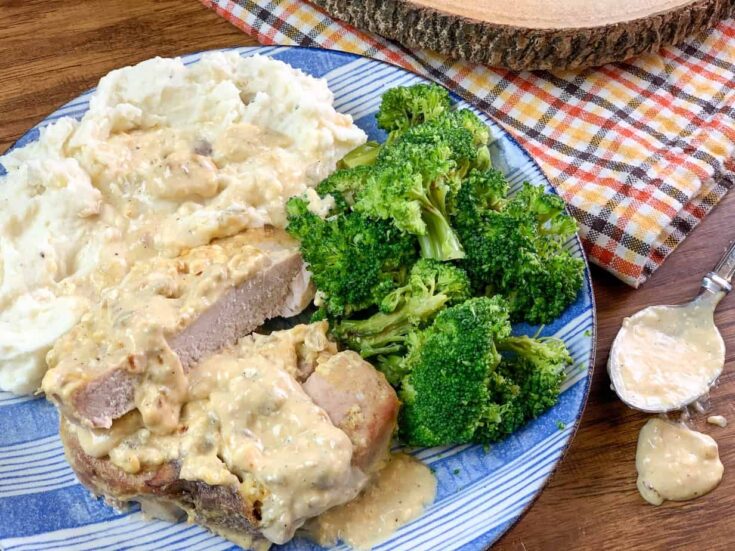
[[718, 420], [675, 463]]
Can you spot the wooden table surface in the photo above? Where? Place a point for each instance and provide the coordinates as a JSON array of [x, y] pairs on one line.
[[51, 50]]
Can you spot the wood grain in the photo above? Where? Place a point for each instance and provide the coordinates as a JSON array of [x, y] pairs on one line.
[[51, 50], [534, 34]]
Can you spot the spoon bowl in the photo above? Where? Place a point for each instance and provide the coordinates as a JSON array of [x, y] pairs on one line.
[[666, 357]]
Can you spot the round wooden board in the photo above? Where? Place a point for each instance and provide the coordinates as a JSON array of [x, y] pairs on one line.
[[534, 34]]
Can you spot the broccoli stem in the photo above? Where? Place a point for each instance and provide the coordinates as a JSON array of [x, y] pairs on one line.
[[385, 333], [389, 349], [438, 196], [393, 367], [365, 154], [539, 351], [440, 241]]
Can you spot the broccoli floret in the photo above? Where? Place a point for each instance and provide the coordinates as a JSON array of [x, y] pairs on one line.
[[354, 261], [537, 364], [320, 314], [412, 194], [503, 412], [450, 365], [547, 209], [400, 109], [527, 383], [462, 131], [547, 283], [479, 130], [343, 185], [430, 276], [462, 149], [393, 366], [468, 380], [407, 106], [431, 285], [518, 252], [422, 113], [481, 191], [396, 194]]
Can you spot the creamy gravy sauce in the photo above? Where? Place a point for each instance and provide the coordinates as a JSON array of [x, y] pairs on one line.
[[130, 327], [99, 443], [675, 463], [665, 356], [398, 494], [174, 198], [246, 421]]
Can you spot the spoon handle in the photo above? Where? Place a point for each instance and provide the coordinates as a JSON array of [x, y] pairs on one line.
[[720, 279]]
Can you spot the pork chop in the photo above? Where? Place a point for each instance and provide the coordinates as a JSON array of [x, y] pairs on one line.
[[222, 509], [256, 452], [164, 317], [358, 400]]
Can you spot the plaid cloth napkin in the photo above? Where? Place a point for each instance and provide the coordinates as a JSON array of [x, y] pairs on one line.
[[641, 151]]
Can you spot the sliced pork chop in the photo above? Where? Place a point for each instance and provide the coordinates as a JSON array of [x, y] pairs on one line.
[[170, 311], [360, 401], [240, 310], [222, 509], [239, 508]]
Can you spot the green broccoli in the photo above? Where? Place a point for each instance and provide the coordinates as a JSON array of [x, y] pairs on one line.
[[421, 223], [431, 285], [479, 129], [462, 131], [518, 251], [354, 261], [414, 177], [503, 413], [393, 366], [527, 383], [406, 106], [468, 380], [363, 155], [400, 108], [546, 208], [462, 148], [412, 194], [344, 185], [481, 191], [433, 277], [450, 365], [441, 175], [537, 365]]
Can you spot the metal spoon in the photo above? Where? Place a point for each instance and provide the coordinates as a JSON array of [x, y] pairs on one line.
[[682, 327]]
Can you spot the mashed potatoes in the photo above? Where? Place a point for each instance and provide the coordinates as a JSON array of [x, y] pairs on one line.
[[167, 157]]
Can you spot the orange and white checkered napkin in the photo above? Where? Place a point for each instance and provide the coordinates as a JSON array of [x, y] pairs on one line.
[[640, 150]]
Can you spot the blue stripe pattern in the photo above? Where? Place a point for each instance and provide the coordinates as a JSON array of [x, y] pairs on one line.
[[480, 493]]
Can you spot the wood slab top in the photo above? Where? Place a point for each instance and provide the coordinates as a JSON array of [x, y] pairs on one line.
[[554, 14], [534, 34], [52, 50]]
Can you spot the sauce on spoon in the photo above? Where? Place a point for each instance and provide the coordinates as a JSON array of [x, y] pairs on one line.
[[667, 356]]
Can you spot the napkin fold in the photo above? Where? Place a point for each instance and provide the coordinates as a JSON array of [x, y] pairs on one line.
[[640, 150]]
